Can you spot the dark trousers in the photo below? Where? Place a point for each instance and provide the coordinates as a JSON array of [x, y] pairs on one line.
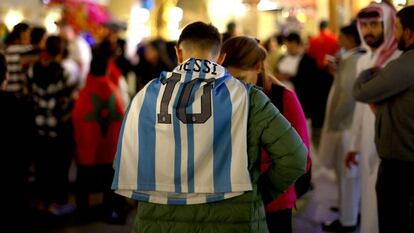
[[280, 221], [52, 168], [395, 196], [97, 179]]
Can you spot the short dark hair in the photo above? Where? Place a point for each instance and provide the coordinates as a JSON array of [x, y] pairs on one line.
[[294, 37], [323, 24], [205, 36], [280, 39], [99, 63], [15, 34], [37, 34], [55, 45], [3, 68], [231, 26], [352, 31], [106, 48], [406, 16], [21, 27]]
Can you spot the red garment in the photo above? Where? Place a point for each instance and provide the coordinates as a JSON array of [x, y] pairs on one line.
[[292, 111], [323, 44], [97, 118]]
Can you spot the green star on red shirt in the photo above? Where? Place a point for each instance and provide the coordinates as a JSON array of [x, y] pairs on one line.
[[104, 112]]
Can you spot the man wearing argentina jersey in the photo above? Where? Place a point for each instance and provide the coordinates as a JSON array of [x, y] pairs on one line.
[[189, 146]]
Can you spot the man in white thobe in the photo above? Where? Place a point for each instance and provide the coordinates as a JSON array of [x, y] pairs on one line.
[[376, 27]]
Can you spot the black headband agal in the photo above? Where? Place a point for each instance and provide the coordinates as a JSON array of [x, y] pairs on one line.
[[369, 14]]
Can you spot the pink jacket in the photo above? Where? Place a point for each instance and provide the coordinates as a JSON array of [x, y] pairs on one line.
[[292, 110]]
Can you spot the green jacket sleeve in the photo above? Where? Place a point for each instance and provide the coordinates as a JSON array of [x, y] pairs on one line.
[[283, 144]]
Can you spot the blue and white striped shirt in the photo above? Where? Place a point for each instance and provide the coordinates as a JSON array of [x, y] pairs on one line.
[[183, 139]]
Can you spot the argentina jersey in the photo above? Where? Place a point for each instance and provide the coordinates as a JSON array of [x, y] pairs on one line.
[[184, 138]]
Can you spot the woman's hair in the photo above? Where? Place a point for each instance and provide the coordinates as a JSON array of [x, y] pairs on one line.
[[245, 53]]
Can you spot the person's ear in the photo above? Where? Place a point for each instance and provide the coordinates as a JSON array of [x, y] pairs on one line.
[[258, 67], [221, 58], [3, 85], [179, 54], [408, 36]]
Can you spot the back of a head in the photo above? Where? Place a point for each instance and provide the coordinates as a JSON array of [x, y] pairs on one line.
[[15, 34], [324, 24], [158, 45], [99, 63], [231, 27], [20, 27], [55, 45], [3, 68], [107, 48], [200, 36], [269, 43], [294, 37], [36, 35], [243, 52], [280, 39], [352, 31], [406, 17]]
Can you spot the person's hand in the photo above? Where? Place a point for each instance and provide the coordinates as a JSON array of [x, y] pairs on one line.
[[351, 159], [369, 74], [331, 67], [331, 64], [373, 108], [375, 70]]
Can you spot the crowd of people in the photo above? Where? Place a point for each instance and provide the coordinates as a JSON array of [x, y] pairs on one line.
[[65, 99], [217, 132]]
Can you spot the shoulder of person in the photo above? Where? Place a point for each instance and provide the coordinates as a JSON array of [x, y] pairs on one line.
[[257, 97], [306, 56]]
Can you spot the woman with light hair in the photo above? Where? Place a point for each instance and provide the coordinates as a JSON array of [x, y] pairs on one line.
[[245, 61]]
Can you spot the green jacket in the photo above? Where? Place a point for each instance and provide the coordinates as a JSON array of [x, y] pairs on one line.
[[267, 128]]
